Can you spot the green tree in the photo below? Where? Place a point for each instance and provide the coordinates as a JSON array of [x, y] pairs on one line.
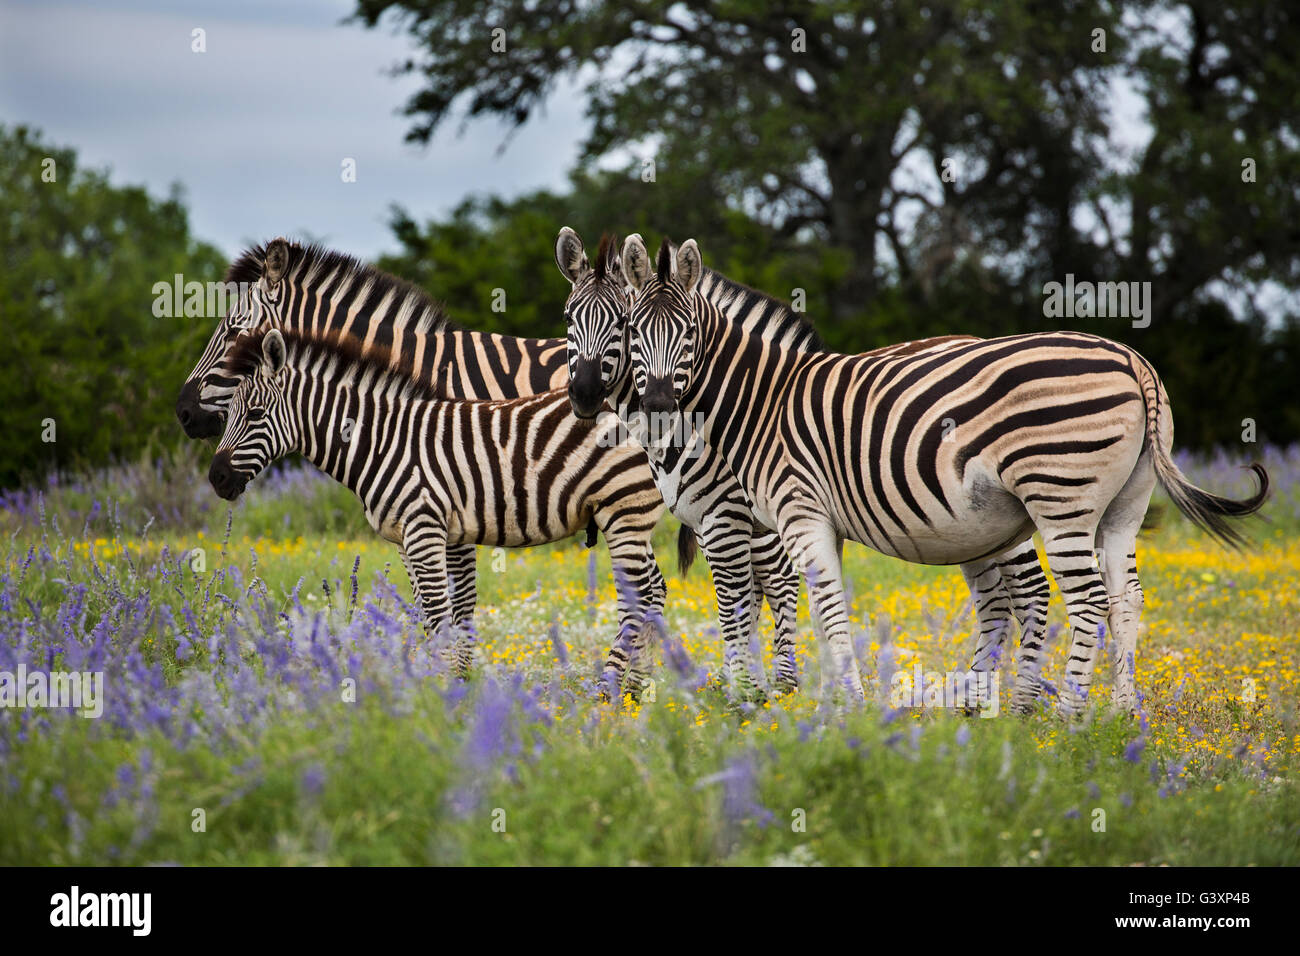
[[83, 350], [926, 168]]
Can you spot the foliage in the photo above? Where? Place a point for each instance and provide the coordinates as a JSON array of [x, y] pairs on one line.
[[805, 146], [83, 346], [224, 692]]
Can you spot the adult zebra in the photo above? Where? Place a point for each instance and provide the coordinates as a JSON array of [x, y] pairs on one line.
[[710, 497], [308, 289], [936, 458], [433, 472], [746, 560], [314, 290]]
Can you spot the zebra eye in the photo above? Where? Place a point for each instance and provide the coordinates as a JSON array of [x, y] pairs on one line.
[[256, 414]]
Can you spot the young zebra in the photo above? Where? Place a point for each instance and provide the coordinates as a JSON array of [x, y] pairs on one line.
[[710, 498], [433, 472], [937, 458]]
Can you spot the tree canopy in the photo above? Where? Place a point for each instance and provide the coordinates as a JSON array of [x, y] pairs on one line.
[[913, 168], [81, 258]]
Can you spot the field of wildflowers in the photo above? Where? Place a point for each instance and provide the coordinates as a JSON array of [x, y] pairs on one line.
[[270, 698]]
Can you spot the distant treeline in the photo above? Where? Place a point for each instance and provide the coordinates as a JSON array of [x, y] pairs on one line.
[[92, 364]]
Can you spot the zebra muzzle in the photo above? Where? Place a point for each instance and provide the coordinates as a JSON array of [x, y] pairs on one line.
[[225, 480], [586, 390], [197, 421], [657, 399]]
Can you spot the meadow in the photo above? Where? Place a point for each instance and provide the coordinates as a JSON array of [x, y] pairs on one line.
[[270, 698]]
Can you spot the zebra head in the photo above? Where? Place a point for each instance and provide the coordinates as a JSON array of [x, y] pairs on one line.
[[595, 316], [662, 326], [201, 407], [259, 428]]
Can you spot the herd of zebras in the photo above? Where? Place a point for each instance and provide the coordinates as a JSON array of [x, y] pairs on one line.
[[770, 449]]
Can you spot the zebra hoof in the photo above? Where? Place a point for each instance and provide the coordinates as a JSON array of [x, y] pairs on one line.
[[1069, 711], [634, 688], [783, 687], [607, 688]]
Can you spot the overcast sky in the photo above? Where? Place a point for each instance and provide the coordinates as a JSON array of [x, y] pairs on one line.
[[257, 127]]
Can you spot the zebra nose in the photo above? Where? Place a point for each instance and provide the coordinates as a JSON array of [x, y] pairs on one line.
[[585, 391], [196, 422], [223, 478], [187, 404], [657, 399]]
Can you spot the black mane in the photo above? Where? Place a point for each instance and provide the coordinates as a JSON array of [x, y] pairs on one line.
[[352, 360], [311, 263]]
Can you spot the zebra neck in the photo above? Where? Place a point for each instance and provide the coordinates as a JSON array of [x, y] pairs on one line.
[[734, 370], [331, 419]]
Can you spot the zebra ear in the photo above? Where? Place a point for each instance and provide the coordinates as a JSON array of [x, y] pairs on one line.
[[636, 261], [274, 353], [689, 265], [275, 263], [570, 256]]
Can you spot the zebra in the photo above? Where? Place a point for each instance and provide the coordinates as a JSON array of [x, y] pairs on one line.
[[747, 561], [938, 458], [710, 498], [291, 287], [433, 472], [316, 290]]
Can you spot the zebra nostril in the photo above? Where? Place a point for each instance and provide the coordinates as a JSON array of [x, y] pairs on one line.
[[220, 475]]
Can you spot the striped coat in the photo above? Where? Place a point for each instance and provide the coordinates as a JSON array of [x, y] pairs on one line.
[[433, 472], [938, 458]]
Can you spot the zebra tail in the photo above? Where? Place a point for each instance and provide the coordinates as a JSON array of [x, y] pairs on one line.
[[1209, 512], [686, 548]]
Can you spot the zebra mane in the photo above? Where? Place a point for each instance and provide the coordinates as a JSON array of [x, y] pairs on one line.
[[407, 307], [757, 312], [664, 267], [341, 359], [607, 242]]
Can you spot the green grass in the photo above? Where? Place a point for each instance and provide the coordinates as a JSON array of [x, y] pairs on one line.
[[423, 770]]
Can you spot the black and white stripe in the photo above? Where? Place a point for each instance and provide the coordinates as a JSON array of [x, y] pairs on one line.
[[747, 561], [433, 472], [937, 457], [703, 492], [316, 291]]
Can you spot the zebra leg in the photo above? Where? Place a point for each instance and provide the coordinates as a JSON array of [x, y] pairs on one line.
[[643, 579], [1119, 571], [992, 612], [637, 580], [815, 548], [1023, 576], [658, 591], [462, 568], [1073, 563], [653, 627], [992, 603], [776, 577], [424, 547], [726, 547], [1118, 557]]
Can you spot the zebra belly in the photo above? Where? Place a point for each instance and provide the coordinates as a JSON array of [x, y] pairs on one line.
[[473, 529], [986, 520], [958, 543]]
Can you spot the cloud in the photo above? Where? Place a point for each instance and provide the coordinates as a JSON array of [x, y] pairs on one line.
[[257, 127]]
